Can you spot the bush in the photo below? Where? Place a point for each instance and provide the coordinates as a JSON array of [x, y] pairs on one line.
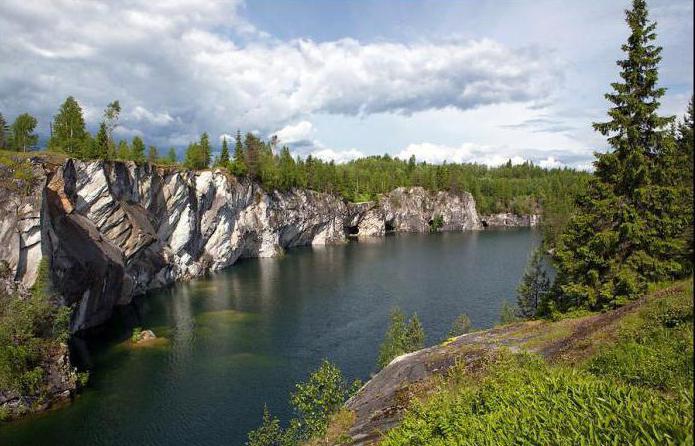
[[29, 327], [313, 401], [508, 313], [135, 336], [400, 337], [461, 326]]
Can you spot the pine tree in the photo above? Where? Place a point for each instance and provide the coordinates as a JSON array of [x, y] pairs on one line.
[[394, 338], [137, 150], [206, 151], [461, 326], [3, 133], [224, 154], [123, 152], [631, 220], [22, 133], [635, 130], [68, 130], [152, 155], [252, 149], [171, 156], [239, 164], [101, 143], [534, 286], [414, 335]]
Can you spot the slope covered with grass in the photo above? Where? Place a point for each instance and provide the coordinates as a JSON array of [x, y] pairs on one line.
[[634, 387]]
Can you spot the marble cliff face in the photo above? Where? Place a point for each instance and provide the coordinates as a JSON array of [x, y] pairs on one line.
[[113, 230]]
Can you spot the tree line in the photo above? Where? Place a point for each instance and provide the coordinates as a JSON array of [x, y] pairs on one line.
[[521, 189]]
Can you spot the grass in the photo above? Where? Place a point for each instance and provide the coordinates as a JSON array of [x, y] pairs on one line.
[[635, 387], [336, 433]]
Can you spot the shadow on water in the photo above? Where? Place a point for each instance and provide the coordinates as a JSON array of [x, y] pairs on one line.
[[245, 336]]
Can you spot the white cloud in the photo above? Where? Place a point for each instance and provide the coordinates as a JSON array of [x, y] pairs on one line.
[[140, 113], [339, 156], [178, 68], [294, 133], [551, 163], [465, 153]]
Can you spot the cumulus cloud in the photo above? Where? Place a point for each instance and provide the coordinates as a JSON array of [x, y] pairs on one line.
[[181, 67], [465, 153], [299, 133], [339, 156]]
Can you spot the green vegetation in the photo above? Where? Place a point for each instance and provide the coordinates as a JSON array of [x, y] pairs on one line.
[[633, 223], [437, 223], [508, 313], [22, 136], [637, 389], [521, 189], [401, 337], [461, 326], [30, 327], [135, 335], [534, 286], [314, 403]]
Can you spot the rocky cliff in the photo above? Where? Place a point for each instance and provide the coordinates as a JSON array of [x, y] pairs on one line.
[[113, 230]]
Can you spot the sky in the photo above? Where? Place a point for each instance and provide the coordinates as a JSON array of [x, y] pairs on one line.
[[445, 80]]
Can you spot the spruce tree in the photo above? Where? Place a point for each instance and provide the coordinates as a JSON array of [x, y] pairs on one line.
[[101, 143], [152, 155], [239, 165], [630, 223], [171, 156], [534, 286], [137, 150], [3, 133], [123, 152], [68, 130], [206, 151], [224, 154]]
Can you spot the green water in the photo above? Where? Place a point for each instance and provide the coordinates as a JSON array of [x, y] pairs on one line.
[[245, 336]]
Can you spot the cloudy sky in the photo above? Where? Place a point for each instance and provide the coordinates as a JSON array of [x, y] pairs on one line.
[[445, 80]]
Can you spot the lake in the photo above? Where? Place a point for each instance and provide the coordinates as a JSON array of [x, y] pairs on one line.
[[245, 336]]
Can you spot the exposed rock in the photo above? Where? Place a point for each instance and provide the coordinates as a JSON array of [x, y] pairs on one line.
[[144, 336], [509, 220], [413, 209], [113, 230]]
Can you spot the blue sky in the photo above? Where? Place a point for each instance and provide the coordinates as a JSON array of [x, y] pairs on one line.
[[481, 81]]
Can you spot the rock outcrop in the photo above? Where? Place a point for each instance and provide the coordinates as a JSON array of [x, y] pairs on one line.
[[509, 220], [383, 400], [113, 230]]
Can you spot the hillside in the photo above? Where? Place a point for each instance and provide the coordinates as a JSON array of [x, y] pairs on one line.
[[623, 374]]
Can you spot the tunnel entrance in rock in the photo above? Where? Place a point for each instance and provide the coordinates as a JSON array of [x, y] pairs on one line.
[[389, 227], [352, 231], [484, 223]]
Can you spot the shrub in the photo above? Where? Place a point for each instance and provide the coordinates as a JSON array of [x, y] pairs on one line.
[[313, 401], [508, 313], [135, 336], [400, 337], [461, 326]]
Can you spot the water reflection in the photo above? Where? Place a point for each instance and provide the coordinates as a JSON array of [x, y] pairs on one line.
[[244, 337]]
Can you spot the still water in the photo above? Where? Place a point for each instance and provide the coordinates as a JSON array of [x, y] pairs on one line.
[[243, 337]]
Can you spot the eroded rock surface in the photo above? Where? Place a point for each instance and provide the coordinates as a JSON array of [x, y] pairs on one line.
[[114, 230]]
